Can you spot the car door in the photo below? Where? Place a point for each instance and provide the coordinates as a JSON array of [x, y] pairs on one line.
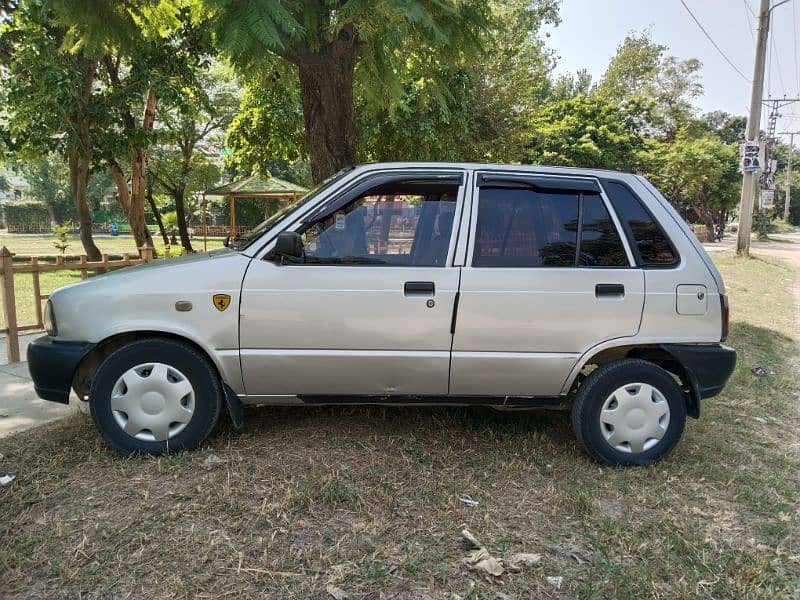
[[547, 277], [368, 310]]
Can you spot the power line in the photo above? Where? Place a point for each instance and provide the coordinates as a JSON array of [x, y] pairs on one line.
[[794, 32], [774, 52], [750, 28], [710, 39]]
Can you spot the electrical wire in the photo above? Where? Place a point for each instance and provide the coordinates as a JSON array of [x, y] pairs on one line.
[[710, 39], [750, 26], [774, 52], [794, 32]]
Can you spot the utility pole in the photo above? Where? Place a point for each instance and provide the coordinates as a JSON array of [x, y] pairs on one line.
[[789, 177], [753, 128]]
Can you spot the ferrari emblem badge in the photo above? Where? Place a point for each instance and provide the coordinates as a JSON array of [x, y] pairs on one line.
[[221, 301]]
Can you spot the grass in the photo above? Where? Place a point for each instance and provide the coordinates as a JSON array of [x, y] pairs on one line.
[[367, 499], [24, 244], [34, 243]]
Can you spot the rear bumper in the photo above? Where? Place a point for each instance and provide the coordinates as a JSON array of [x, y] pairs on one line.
[[708, 366], [52, 366]]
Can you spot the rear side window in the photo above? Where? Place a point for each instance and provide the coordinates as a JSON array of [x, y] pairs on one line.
[[647, 237], [522, 227], [601, 245]]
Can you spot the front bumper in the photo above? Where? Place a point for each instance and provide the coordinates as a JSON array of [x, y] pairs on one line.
[[52, 366]]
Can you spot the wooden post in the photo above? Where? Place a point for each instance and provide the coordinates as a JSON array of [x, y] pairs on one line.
[[9, 306], [205, 224], [37, 292], [233, 218], [84, 273], [147, 253]]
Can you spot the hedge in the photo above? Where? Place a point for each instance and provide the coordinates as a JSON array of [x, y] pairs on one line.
[[26, 216]]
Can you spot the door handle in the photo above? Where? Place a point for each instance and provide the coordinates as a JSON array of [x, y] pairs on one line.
[[605, 290], [419, 288]]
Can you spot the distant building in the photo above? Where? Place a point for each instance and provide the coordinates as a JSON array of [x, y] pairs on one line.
[[19, 186]]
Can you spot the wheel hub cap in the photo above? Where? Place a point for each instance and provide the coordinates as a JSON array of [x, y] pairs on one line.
[[634, 418], [152, 402]]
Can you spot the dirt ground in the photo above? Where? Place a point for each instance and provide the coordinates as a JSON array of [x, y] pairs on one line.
[[370, 502]]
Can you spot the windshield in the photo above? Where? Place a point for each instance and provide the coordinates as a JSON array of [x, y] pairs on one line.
[[242, 242]]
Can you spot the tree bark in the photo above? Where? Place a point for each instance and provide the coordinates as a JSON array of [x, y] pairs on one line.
[[179, 195], [326, 94], [80, 160], [139, 177], [79, 181], [151, 201]]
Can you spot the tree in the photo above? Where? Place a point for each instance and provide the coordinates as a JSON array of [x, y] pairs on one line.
[[584, 132], [51, 102], [659, 89], [49, 181], [699, 173], [332, 43], [476, 109]]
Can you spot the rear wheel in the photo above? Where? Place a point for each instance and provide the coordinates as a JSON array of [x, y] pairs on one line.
[[155, 396], [629, 412]]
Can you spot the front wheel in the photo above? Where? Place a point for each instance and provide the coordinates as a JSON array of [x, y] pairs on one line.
[[629, 412], [155, 396]]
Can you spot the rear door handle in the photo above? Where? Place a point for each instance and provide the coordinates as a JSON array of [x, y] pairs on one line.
[[419, 288], [606, 290]]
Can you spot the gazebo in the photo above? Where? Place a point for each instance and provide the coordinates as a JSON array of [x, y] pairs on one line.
[[254, 186]]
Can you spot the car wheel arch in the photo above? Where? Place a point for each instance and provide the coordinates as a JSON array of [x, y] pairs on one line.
[[656, 354]]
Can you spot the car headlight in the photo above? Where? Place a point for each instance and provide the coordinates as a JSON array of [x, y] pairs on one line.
[[50, 320]]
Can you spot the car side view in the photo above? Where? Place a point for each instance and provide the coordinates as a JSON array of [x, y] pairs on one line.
[[411, 283]]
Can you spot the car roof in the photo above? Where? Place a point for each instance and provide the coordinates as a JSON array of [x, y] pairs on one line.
[[552, 170]]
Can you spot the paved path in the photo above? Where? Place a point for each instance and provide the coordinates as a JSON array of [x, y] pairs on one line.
[[20, 408]]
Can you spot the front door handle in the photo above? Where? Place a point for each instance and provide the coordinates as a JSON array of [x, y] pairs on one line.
[[606, 290], [419, 288]]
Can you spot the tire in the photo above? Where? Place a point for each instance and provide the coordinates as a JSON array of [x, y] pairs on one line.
[[622, 407], [155, 396]]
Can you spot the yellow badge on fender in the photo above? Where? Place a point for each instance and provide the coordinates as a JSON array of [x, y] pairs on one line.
[[221, 301]]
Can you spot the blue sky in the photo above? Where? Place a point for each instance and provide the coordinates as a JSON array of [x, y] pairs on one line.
[[591, 30]]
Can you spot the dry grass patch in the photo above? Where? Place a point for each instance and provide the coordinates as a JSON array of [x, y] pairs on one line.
[[367, 499]]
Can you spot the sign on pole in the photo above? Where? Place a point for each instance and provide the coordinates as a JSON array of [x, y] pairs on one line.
[[768, 198], [752, 155]]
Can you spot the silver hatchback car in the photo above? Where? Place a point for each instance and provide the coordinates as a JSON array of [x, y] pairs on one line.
[[412, 283]]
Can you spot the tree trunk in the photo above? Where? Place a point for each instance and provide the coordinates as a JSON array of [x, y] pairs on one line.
[[179, 195], [80, 160], [151, 201], [326, 93], [139, 177], [79, 181]]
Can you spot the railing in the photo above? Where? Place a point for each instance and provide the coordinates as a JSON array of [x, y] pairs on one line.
[[10, 266]]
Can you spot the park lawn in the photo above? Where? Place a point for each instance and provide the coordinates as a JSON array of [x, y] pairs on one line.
[[367, 498], [26, 243]]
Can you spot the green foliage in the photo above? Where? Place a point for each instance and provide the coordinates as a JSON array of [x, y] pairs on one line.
[[49, 181], [658, 88], [697, 174], [62, 234], [584, 132], [22, 216], [761, 224]]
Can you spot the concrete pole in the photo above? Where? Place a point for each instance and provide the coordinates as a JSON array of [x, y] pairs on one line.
[[749, 180], [788, 179]]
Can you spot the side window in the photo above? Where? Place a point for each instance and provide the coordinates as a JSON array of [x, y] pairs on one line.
[[397, 224], [521, 227], [601, 245], [651, 243]]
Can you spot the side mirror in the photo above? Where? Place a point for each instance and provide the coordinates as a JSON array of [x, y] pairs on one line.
[[289, 245]]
